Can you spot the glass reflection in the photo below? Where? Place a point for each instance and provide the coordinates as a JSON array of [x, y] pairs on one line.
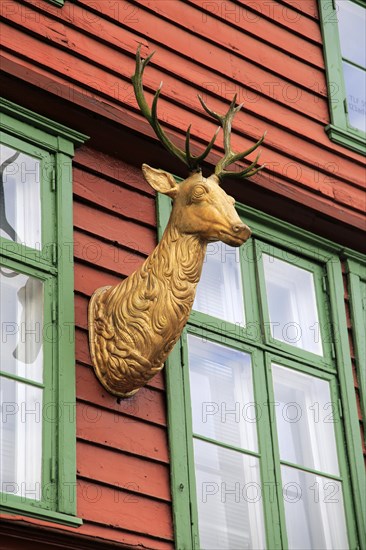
[[292, 304], [21, 439], [20, 203], [229, 499], [21, 320], [305, 420], [222, 394], [352, 23], [355, 80], [219, 292], [314, 511]]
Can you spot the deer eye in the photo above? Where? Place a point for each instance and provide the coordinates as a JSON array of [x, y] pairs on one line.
[[198, 193]]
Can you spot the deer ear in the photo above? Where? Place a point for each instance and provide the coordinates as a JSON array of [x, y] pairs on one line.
[[160, 181]]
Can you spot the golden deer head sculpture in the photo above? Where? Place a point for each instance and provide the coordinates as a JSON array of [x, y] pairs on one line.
[[133, 326]]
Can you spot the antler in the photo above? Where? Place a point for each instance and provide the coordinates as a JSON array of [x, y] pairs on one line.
[[190, 160], [230, 157]]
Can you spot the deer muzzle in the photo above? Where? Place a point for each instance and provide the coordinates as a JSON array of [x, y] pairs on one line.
[[241, 231]]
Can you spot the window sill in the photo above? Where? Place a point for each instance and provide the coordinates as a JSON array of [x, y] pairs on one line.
[[39, 513], [342, 137]]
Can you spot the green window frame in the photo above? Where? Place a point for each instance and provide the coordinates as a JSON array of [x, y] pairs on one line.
[[339, 130], [52, 146], [356, 275], [322, 258]]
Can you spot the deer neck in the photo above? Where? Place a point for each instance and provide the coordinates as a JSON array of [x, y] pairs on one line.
[[180, 257]]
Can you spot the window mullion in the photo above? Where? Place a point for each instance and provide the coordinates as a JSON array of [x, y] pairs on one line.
[[271, 487], [273, 451]]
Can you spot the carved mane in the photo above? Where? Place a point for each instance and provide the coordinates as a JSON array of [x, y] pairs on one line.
[[138, 322]]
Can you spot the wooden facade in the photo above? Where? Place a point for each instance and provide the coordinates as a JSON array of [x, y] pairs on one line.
[[73, 63]]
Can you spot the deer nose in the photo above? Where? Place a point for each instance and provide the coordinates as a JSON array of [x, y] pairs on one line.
[[241, 227]]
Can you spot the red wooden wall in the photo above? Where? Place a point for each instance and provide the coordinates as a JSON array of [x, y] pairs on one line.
[[74, 64], [122, 450]]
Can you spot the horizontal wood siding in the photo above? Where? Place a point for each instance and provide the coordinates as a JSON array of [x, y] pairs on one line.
[[82, 57], [123, 476], [122, 447], [271, 57]]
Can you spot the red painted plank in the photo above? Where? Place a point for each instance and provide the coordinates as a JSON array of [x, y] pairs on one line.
[[118, 199], [109, 167], [308, 7], [113, 228], [106, 255], [255, 79], [236, 28], [273, 183], [116, 508], [78, 70], [147, 404], [116, 431], [196, 47], [88, 279], [295, 146], [121, 470], [285, 144], [88, 535], [285, 15]]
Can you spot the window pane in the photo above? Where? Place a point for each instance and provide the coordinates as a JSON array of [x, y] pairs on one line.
[[292, 304], [219, 292], [305, 422], [21, 321], [229, 498], [20, 439], [20, 218], [314, 511], [352, 24], [222, 395], [355, 80]]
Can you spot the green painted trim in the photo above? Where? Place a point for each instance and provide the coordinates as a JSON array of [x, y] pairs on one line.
[[354, 64], [226, 445], [358, 325], [339, 130], [309, 470], [275, 450], [189, 442], [178, 449], [66, 382], [272, 230], [357, 266], [43, 124], [348, 397], [346, 138], [16, 378], [270, 475], [54, 145], [29, 511], [21, 253]]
